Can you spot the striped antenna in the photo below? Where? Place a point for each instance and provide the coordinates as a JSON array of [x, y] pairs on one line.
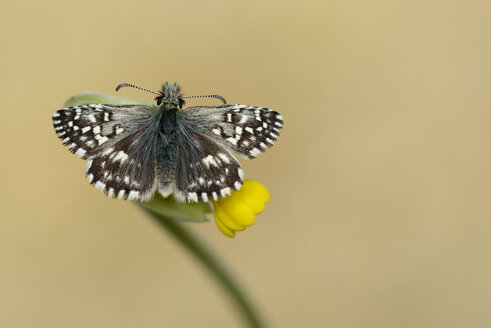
[[122, 85], [207, 96]]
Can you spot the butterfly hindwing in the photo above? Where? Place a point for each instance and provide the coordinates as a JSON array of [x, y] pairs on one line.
[[247, 130], [125, 170], [205, 170]]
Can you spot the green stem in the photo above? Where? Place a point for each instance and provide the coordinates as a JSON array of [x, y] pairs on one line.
[[211, 263]]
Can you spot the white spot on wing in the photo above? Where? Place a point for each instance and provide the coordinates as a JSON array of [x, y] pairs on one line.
[[254, 152], [224, 158], [85, 129], [80, 152], [121, 194], [210, 160], [100, 139], [192, 196], [232, 141], [108, 151], [120, 156], [97, 130], [225, 191], [100, 185], [133, 195]]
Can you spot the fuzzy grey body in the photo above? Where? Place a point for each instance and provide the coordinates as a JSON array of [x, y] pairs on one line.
[[134, 150], [166, 148]]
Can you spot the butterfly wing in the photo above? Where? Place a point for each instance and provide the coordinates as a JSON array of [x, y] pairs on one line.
[[118, 140], [247, 130], [205, 169]]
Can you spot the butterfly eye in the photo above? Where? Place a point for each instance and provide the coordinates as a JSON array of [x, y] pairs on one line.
[[159, 101], [181, 103]]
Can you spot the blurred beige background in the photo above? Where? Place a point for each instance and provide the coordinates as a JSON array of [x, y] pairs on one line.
[[380, 182]]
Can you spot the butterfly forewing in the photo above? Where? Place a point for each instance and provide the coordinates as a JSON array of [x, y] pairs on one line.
[[118, 141], [247, 130], [89, 129]]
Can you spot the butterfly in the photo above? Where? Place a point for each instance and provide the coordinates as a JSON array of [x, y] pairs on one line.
[[134, 150]]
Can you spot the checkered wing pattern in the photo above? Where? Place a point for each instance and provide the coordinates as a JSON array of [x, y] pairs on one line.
[[247, 130], [132, 150], [205, 169], [118, 141]]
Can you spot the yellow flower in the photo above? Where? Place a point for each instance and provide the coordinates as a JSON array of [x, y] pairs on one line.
[[236, 212]]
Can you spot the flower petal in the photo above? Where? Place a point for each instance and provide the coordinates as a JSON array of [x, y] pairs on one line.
[[259, 191], [236, 212], [239, 211], [226, 231], [222, 216]]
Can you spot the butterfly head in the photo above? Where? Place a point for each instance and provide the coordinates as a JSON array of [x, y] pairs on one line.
[[170, 96]]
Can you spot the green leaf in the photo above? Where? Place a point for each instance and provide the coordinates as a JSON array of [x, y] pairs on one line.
[[182, 211], [85, 98]]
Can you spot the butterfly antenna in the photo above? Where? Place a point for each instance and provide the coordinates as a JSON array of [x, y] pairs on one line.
[[122, 85], [208, 96]]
